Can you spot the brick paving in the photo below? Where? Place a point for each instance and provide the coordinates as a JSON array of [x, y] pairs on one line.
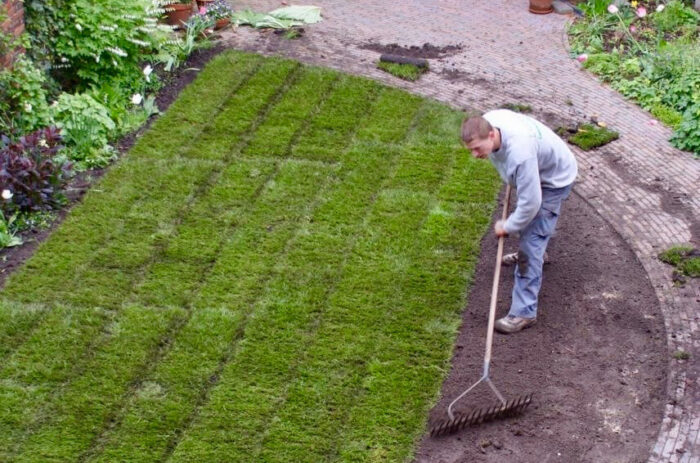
[[640, 184]]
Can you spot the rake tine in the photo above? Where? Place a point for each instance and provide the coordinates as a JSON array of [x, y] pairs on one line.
[[511, 408]]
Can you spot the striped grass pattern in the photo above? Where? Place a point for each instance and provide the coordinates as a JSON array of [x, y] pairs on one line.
[[274, 273]]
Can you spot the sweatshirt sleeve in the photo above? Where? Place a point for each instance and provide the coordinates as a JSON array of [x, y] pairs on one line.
[[527, 181]]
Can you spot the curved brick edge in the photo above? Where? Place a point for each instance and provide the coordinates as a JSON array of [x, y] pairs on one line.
[[643, 187]]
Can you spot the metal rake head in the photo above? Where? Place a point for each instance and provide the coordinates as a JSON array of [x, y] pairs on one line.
[[510, 408]]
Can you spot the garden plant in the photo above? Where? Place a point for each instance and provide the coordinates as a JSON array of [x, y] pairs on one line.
[[275, 272], [88, 77], [648, 51]]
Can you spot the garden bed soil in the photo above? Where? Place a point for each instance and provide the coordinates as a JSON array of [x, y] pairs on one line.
[[596, 359]]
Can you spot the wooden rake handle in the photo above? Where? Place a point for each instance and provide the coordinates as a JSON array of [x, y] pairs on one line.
[[494, 290]]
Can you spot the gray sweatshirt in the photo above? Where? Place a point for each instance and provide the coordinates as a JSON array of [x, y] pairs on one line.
[[531, 157]]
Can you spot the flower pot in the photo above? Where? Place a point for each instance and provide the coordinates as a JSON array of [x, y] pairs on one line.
[[541, 6], [178, 13], [221, 23]]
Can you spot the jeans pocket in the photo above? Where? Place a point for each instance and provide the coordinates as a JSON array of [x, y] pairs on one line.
[[546, 220]]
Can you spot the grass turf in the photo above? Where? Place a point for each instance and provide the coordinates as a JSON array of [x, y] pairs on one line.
[[275, 272]]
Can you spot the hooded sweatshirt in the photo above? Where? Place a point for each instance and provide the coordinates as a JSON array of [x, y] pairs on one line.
[[531, 157]]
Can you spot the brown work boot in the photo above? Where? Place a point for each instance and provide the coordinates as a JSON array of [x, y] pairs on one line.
[[510, 324]]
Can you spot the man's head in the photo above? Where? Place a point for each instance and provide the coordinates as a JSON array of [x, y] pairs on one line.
[[480, 137]]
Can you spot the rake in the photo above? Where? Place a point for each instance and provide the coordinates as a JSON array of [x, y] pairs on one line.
[[504, 408]]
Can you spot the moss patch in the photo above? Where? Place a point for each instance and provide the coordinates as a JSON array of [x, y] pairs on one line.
[[589, 136], [402, 71], [686, 259]]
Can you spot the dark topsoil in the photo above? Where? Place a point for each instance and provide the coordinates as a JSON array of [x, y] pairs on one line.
[[427, 51], [596, 360]]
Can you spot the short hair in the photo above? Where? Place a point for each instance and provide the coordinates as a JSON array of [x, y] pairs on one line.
[[475, 127]]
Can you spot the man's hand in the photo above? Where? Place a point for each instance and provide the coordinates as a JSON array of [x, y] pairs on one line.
[[499, 230]]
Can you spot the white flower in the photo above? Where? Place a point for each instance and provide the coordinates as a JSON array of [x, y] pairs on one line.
[[660, 8], [136, 98], [7, 194], [117, 51], [147, 72], [28, 107], [78, 26], [138, 42], [612, 9], [43, 143], [108, 28], [64, 59]]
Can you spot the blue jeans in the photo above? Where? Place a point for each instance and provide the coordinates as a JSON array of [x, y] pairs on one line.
[[533, 243]]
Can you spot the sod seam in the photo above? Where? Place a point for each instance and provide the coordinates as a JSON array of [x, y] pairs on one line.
[[348, 246], [201, 190], [332, 395]]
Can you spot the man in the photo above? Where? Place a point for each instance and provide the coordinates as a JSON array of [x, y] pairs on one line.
[[535, 161]]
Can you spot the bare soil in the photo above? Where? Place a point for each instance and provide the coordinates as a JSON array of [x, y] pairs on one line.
[[427, 51], [595, 361]]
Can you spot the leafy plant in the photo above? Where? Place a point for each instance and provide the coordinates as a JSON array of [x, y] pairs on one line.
[[687, 135], [219, 9], [31, 172], [674, 16], [8, 233], [88, 43], [86, 127], [649, 57], [23, 106]]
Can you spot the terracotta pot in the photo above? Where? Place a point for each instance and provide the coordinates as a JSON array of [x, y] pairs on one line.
[[221, 23], [541, 6], [178, 13]]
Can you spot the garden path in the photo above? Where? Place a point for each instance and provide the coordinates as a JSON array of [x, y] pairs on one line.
[[646, 189]]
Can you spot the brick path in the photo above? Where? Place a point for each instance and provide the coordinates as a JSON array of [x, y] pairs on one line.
[[643, 186]]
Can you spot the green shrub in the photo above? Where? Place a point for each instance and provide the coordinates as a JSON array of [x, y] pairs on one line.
[[23, 106], [86, 127], [88, 43], [674, 16], [687, 134]]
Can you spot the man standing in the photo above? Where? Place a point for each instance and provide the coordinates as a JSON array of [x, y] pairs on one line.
[[534, 160]]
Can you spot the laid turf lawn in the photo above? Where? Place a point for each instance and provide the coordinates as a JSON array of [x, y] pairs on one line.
[[274, 272]]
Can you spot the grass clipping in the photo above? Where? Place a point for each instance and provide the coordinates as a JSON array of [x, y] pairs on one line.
[[409, 72]]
